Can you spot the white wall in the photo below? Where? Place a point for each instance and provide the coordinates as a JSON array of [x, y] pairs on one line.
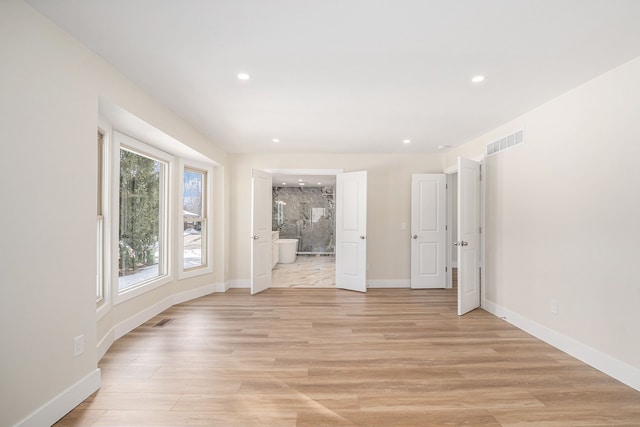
[[563, 221], [50, 86], [388, 205]]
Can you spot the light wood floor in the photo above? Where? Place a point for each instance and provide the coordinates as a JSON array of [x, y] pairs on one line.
[[311, 357], [309, 271]]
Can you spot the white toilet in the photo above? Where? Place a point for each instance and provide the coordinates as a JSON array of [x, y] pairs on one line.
[[288, 249]]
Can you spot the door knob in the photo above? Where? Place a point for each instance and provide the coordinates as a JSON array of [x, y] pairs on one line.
[[415, 236], [363, 237], [462, 243], [255, 237]]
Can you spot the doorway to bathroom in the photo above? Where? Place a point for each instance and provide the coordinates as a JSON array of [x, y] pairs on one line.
[[304, 218]]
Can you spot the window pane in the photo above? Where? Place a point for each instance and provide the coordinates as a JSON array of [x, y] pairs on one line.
[[140, 215], [194, 218], [100, 221], [193, 232], [193, 196]]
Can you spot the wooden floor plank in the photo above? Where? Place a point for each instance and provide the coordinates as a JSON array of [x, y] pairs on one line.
[[306, 357]]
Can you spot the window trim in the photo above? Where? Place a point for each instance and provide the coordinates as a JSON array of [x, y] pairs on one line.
[[144, 149], [186, 164], [103, 257]]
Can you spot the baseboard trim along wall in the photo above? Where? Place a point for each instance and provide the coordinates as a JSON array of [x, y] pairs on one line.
[[239, 284], [58, 407], [621, 371], [389, 283], [380, 284], [128, 325]]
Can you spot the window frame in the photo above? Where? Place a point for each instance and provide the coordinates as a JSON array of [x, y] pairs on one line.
[[122, 141], [103, 221], [186, 165]]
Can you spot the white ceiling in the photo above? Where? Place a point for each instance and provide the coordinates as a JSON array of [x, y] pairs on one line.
[[352, 75]]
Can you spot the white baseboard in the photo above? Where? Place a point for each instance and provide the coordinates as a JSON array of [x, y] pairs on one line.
[[104, 344], [621, 371], [58, 407], [194, 293], [239, 284], [127, 325], [396, 283]]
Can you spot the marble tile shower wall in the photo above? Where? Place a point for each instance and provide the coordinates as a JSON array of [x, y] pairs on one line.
[[306, 214]]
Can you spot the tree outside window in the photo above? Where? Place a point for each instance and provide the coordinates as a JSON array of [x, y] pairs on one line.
[[140, 248], [194, 215]]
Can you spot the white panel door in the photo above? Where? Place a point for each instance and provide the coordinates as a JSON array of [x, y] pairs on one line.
[[260, 231], [351, 231], [468, 241], [428, 231]]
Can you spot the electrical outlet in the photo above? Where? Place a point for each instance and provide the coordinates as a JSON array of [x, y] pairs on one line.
[[554, 306], [78, 345]]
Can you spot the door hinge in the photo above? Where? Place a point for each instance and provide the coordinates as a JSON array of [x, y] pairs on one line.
[[480, 230], [446, 227], [446, 269]]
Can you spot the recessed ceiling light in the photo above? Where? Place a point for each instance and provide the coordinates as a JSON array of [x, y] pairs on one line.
[[406, 141], [244, 76], [443, 147], [275, 140], [301, 183], [284, 183], [319, 183], [477, 79], [299, 179]]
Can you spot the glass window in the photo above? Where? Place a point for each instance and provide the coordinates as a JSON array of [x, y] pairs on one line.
[[143, 222], [100, 282], [194, 219]]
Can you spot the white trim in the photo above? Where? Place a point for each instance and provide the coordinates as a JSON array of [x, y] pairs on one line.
[[621, 371], [104, 344], [389, 283], [103, 307], [127, 325], [451, 170], [238, 284], [144, 149], [450, 237], [483, 228], [192, 294], [64, 402], [305, 171], [209, 228]]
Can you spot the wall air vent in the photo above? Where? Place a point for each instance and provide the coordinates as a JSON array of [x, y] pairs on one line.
[[505, 142]]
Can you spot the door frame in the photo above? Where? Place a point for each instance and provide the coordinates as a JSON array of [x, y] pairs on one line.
[[418, 236], [450, 238], [308, 172]]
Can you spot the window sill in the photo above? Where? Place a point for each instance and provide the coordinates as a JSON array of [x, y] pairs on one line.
[[199, 271], [122, 296]]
